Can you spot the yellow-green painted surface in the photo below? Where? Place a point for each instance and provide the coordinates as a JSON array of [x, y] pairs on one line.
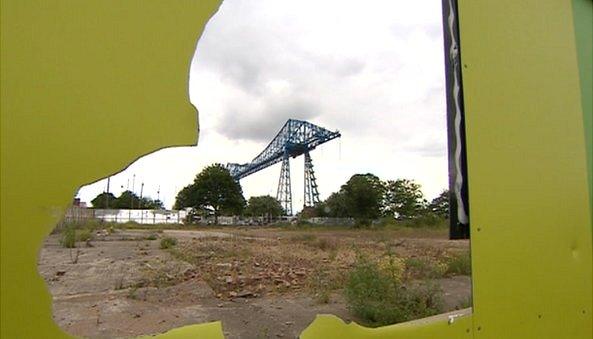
[[583, 18], [208, 330], [88, 87], [528, 178], [528, 191], [328, 326]]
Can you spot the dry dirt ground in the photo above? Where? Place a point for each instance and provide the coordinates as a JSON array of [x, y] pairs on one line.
[[260, 282]]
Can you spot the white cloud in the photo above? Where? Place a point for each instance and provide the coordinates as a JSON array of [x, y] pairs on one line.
[[373, 70]]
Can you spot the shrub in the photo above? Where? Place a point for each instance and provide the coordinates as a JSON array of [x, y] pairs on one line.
[[68, 239], [378, 299], [362, 223], [151, 237], [168, 242], [302, 222], [459, 264]]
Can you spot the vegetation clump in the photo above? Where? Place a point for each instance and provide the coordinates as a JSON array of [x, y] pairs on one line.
[[424, 268], [168, 242], [321, 283], [376, 297], [68, 239], [84, 235], [459, 264]]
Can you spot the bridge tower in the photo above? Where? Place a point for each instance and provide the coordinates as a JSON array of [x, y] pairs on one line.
[[311, 191], [284, 193]]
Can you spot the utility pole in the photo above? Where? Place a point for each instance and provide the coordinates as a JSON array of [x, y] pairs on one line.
[[132, 195], [141, 211], [141, 192], [107, 195]]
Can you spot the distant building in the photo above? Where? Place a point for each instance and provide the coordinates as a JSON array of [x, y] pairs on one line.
[[76, 202]]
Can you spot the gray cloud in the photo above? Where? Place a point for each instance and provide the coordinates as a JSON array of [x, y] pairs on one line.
[[262, 125], [280, 66]]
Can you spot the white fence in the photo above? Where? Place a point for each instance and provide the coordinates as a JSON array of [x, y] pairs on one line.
[[79, 214], [141, 216]]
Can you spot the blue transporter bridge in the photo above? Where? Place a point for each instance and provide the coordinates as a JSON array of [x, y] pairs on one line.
[[296, 138]]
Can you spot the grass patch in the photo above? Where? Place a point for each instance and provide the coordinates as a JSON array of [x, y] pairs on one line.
[[152, 237], [429, 220], [304, 238], [378, 299], [168, 242], [459, 264], [326, 244]]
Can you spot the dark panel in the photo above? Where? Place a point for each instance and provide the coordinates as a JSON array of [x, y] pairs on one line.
[[458, 186]]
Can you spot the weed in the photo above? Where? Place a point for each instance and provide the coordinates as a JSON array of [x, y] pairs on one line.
[[333, 254], [459, 264], [68, 239], [424, 268], [428, 220], [379, 299], [132, 293], [152, 236], [465, 303], [326, 244], [321, 284], [159, 274], [392, 266], [84, 235], [168, 242], [263, 333], [119, 283], [74, 257]]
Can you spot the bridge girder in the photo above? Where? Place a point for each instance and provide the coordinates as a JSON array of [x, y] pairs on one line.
[[295, 138]]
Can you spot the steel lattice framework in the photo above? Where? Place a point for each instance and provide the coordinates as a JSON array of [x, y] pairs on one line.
[[296, 138]]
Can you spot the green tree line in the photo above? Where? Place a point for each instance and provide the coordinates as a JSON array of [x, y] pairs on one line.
[[126, 200], [363, 197]]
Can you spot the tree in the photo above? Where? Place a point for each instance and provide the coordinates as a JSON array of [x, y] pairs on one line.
[[104, 200], [363, 196], [183, 198], [334, 206], [213, 188], [127, 200], [265, 205], [440, 204], [150, 204], [403, 199]]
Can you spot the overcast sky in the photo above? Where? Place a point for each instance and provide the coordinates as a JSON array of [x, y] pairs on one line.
[[373, 72]]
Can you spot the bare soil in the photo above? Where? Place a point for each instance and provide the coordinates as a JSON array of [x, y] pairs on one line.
[[260, 282]]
